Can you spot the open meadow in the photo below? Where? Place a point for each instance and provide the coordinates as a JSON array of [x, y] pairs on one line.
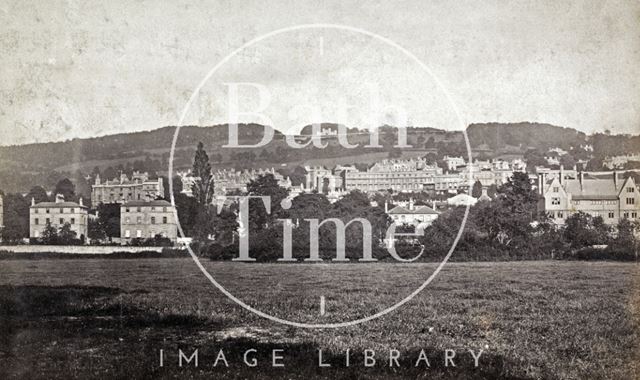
[[109, 318]]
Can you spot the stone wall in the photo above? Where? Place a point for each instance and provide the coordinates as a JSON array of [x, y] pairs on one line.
[[76, 249]]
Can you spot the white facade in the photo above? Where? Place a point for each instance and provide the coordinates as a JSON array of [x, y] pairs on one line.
[[57, 214], [609, 197]]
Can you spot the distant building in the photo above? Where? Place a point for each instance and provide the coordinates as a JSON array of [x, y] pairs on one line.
[[57, 214], [317, 177], [616, 162], [188, 181], [412, 215], [453, 162], [610, 197], [445, 183], [226, 181], [397, 175], [124, 189], [146, 219], [462, 200]]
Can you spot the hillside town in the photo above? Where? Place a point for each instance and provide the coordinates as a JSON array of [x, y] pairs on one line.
[[136, 209]]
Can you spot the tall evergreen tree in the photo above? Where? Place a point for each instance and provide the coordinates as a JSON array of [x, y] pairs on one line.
[[203, 187]]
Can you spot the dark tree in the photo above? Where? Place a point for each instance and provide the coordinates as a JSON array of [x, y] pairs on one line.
[[66, 188], [109, 219], [203, 187], [265, 185], [38, 193], [583, 230], [476, 191], [49, 234], [16, 218], [66, 236], [96, 230]]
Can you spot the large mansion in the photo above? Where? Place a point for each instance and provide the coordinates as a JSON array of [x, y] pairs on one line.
[[146, 219], [57, 214], [397, 175], [125, 189], [607, 195]]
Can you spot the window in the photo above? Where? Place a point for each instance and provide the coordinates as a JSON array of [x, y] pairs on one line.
[[153, 220], [61, 220], [634, 215], [37, 234], [556, 189], [127, 233], [126, 209], [164, 220], [71, 211], [139, 220], [126, 220], [560, 214], [138, 209], [555, 201], [35, 211], [611, 215], [47, 211], [73, 220], [631, 189], [48, 221], [576, 202], [631, 201], [138, 233], [36, 221], [626, 215], [164, 209]]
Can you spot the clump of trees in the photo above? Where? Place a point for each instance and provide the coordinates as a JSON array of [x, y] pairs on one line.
[[62, 236], [510, 227]]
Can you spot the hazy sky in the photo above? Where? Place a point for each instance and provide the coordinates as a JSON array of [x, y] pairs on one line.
[[81, 69]]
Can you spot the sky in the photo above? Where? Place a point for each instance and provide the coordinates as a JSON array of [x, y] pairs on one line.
[[89, 68]]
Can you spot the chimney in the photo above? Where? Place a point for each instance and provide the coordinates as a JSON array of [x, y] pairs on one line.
[[80, 201], [615, 179], [581, 179], [33, 201], [411, 204], [386, 206], [59, 198], [97, 179], [540, 183], [561, 174], [434, 205]]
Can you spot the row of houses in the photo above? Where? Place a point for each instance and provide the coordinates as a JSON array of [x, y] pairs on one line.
[[413, 175]]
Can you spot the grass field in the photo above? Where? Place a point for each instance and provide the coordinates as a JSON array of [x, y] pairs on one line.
[[108, 318]]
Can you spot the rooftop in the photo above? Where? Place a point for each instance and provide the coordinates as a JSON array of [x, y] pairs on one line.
[[157, 202], [57, 205]]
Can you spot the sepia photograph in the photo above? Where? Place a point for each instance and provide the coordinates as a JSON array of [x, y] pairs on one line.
[[319, 190]]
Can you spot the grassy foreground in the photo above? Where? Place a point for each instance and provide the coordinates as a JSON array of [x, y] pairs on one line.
[[97, 318]]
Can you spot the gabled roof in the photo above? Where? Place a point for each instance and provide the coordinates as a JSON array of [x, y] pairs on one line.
[[592, 187]]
